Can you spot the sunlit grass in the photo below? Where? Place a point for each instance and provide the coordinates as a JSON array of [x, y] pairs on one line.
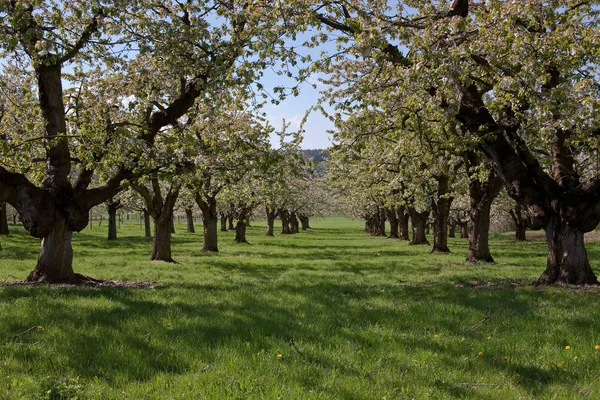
[[369, 317]]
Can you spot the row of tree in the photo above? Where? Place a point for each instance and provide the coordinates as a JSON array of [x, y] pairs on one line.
[[430, 99]]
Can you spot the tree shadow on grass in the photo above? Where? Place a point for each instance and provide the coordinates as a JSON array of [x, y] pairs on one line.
[[105, 332]]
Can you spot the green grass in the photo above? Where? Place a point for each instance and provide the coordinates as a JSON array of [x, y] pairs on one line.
[[363, 313]]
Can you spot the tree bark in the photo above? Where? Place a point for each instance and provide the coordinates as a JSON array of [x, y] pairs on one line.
[[294, 223], [223, 222], [567, 261], [481, 197], [521, 220], [393, 219], [402, 223], [55, 261], [271, 215], [285, 222], [419, 221], [189, 216], [3, 220], [161, 242], [210, 220], [113, 207], [240, 232], [440, 209], [147, 231], [451, 228], [304, 222]]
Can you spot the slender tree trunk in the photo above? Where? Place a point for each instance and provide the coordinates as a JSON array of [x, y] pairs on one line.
[[393, 219], [567, 261], [161, 242], [419, 222], [112, 220], [55, 261], [189, 215], [230, 218], [147, 231], [403, 223], [381, 220], [223, 222], [3, 220], [172, 224]]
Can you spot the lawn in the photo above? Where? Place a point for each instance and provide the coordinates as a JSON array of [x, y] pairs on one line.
[[327, 314]]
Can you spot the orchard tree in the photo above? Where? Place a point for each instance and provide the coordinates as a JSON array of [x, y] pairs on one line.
[[520, 77]]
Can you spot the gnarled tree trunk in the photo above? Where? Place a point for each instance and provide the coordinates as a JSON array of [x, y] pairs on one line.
[[393, 219], [304, 222], [521, 221], [223, 222], [481, 197], [294, 223], [567, 260], [285, 221], [210, 219], [161, 242], [419, 221], [271, 215], [55, 261], [113, 207]]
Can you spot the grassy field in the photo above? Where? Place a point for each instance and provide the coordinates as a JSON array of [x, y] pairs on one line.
[[370, 318]]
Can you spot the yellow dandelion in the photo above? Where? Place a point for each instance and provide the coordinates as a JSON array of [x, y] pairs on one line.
[[280, 356], [597, 347], [489, 338], [435, 336], [567, 347], [480, 354], [40, 327], [559, 365]]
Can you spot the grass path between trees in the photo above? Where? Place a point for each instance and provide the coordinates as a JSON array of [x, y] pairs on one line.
[[327, 314]]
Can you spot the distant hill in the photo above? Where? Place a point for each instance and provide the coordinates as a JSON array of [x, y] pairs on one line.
[[318, 155], [321, 157]]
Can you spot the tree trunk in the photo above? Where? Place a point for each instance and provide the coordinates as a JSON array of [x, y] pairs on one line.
[[304, 222], [440, 209], [481, 197], [451, 228], [240, 232], [294, 223], [147, 223], [271, 215], [112, 220], [210, 220], [464, 229], [419, 222], [285, 222], [161, 243], [55, 261], [521, 220], [189, 215], [567, 261], [172, 224], [402, 223], [393, 219], [3, 220], [223, 222], [479, 249]]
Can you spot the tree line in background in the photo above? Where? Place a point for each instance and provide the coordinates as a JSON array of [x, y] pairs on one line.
[[437, 107]]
